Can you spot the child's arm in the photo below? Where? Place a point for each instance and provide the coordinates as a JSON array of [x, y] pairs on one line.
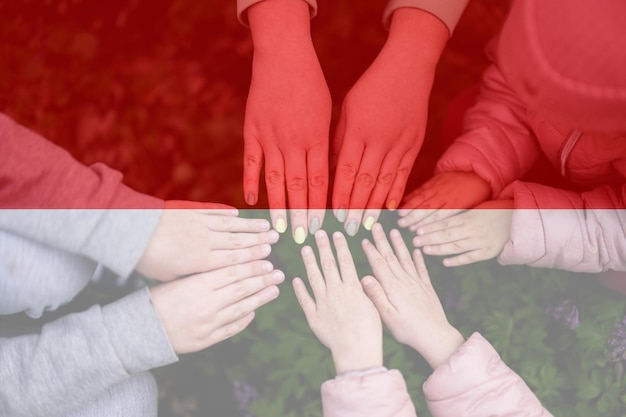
[[496, 147], [561, 229], [49, 197], [469, 377], [78, 357], [346, 322]]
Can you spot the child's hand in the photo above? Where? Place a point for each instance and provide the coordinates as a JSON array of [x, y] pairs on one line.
[[341, 316], [444, 195], [477, 235], [204, 309], [195, 237], [406, 299]]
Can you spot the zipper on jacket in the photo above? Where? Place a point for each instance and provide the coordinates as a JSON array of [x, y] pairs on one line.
[[572, 138]]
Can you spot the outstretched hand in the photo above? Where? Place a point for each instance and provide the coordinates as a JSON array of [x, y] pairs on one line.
[[340, 315], [406, 300], [198, 237]]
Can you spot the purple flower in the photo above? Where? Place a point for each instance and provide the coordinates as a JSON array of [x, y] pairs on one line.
[[616, 345], [244, 394], [564, 312]]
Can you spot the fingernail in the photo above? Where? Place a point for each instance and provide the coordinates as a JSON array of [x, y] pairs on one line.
[[341, 215], [378, 227], [352, 228], [392, 205], [266, 249], [300, 235], [307, 250], [273, 235], [314, 226], [264, 225], [273, 292], [402, 222], [367, 282], [267, 266], [369, 222], [278, 277], [281, 226], [251, 199], [417, 241]]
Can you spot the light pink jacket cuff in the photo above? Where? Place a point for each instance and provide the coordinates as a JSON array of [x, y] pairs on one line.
[[448, 11], [242, 6]]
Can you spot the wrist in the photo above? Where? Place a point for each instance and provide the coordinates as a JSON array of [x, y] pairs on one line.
[[441, 346], [280, 25], [418, 35], [350, 361]]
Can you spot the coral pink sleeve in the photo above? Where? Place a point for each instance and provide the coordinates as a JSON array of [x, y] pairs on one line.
[[475, 382], [554, 228], [381, 394], [448, 11], [496, 144], [242, 5]]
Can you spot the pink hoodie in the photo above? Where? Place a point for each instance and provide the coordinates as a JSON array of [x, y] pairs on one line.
[[473, 382], [557, 87]]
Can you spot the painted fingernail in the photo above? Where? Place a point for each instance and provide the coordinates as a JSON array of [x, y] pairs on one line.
[[251, 199], [352, 228], [300, 235], [278, 277], [314, 226], [341, 215], [281, 226], [267, 266], [369, 222], [392, 205], [266, 249]]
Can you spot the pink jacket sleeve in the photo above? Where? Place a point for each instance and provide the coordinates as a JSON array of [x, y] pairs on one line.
[[242, 5], [561, 229], [381, 394], [496, 144], [475, 382], [448, 11]]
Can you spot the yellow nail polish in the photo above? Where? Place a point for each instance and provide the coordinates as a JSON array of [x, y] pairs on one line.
[[300, 235], [281, 226], [392, 205], [369, 222]]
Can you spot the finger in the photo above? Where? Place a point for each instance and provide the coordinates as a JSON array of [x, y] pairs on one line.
[[243, 288], [318, 285], [317, 167], [296, 170], [344, 257], [235, 224], [347, 168], [252, 163], [223, 277], [436, 217], [402, 252], [362, 188], [452, 248], [415, 216], [233, 328], [226, 257], [379, 266], [396, 192], [224, 240], [465, 259], [382, 244], [378, 196], [216, 209], [275, 182], [375, 292], [449, 235], [327, 259], [422, 272], [417, 198], [304, 298], [249, 304], [447, 223]]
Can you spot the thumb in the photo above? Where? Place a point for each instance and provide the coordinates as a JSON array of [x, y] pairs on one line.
[[376, 293]]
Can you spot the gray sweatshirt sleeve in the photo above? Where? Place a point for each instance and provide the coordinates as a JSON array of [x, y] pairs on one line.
[[78, 357]]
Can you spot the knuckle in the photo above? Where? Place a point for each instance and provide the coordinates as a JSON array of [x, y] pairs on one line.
[[317, 181], [274, 177], [365, 180], [233, 257], [403, 172], [379, 262], [252, 161], [328, 265], [390, 257], [347, 170], [226, 222], [456, 246], [345, 261], [296, 184], [386, 178]]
